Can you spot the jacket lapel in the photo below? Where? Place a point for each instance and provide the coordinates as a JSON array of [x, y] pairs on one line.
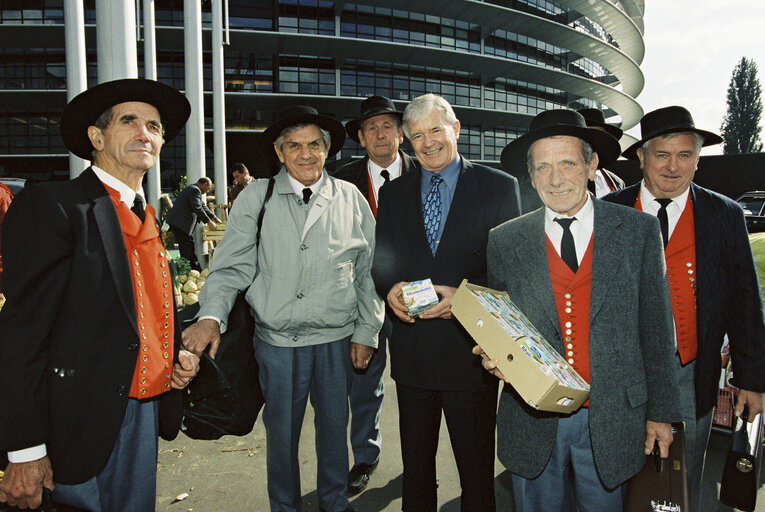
[[114, 245], [608, 237]]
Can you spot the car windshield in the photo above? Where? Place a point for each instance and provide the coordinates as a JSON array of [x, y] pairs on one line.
[[751, 205]]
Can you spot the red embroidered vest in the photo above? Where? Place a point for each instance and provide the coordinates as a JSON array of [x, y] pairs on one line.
[[153, 300], [572, 300], [680, 256]]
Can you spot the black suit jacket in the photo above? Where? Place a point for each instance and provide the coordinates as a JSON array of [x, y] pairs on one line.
[[356, 173], [435, 354], [728, 296], [68, 332], [188, 209]]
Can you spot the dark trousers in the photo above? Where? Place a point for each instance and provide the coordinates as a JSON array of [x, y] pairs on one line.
[[470, 418], [186, 246]]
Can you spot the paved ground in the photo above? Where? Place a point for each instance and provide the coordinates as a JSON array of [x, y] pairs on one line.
[[230, 474]]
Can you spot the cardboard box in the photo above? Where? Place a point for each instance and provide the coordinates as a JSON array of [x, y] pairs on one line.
[[540, 375]]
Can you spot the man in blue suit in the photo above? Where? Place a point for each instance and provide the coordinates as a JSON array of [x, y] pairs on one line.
[[188, 209], [711, 275], [434, 223]]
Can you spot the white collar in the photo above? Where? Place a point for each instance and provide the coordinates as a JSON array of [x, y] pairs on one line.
[[127, 194], [298, 187], [649, 204]]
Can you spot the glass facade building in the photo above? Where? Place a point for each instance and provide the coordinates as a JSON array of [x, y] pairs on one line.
[[498, 62]]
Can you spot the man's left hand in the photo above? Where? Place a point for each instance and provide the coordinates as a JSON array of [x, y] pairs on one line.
[[184, 369], [662, 432], [361, 355], [444, 307], [751, 398]]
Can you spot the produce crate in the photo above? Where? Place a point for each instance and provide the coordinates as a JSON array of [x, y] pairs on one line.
[[723, 414]]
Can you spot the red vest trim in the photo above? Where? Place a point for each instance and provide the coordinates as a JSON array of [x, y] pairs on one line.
[[572, 300], [680, 256], [154, 305]]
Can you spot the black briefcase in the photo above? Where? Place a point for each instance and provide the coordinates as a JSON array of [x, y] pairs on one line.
[[662, 484], [738, 487]]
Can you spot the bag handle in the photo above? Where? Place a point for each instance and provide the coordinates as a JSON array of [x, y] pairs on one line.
[[269, 193]]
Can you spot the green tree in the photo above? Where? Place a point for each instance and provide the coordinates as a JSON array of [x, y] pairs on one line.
[[741, 124]]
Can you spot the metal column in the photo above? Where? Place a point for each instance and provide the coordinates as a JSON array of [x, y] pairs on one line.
[[153, 181], [115, 33], [195, 128], [219, 104], [76, 65]]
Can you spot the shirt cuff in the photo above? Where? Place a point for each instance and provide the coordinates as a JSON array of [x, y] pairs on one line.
[[209, 317], [27, 454]]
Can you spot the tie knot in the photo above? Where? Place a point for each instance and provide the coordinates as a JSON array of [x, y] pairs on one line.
[[664, 202], [565, 222], [436, 180], [138, 207], [307, 195], [385, 175]]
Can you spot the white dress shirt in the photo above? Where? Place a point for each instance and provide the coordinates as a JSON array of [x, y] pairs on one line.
[[374, 170], [581, 229], [674, 209]]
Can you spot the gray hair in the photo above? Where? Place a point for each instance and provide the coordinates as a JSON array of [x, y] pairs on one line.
[[325, 136], [698, 139], [422, 106], [587, 153]]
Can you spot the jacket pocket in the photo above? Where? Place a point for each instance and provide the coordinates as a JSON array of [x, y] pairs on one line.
[[637, 394]]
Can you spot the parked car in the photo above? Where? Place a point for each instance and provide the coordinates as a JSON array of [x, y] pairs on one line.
[[15, 184], [753, 204]]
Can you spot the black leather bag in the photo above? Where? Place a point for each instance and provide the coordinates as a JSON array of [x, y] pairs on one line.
[[225, 396], [738, 487], [662, 484]]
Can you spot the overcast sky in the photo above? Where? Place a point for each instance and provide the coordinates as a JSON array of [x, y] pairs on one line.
[[692, 47]]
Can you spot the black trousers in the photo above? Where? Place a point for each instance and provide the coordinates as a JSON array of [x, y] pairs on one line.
[[470, 418], [186, 246]]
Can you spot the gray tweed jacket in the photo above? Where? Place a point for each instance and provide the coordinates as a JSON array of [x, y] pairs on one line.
[[631, 347]]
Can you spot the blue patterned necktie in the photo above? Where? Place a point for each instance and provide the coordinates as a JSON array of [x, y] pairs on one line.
[[431, 212]]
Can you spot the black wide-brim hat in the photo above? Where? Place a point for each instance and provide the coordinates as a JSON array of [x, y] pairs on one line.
[[551, 123], [84, 109], [302, 114], [665, 121], [370, 107], [594, 117]]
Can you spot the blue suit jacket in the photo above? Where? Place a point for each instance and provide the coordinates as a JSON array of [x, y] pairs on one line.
[[188, 209], [435, 354], [728, 296]]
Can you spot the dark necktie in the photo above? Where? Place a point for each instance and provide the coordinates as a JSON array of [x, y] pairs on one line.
[[567, 247], [385, 175], [663, 220], [431, 212], [138, 207], [307, 195]]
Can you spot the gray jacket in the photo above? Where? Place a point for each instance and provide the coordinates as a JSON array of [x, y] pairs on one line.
[[631, 369], [309, 282]]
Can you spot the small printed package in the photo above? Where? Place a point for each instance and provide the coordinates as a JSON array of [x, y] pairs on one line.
[[419, 296], [540, 375]]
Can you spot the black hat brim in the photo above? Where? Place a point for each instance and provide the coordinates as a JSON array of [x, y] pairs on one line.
[[335, 129], [84, 109], [515, 154], [352, 127], [710, 139]]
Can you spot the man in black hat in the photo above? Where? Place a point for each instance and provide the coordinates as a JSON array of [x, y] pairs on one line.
[[89, 348], [316, 310], [711, 275], [605, 181], [589, 276], [434, 224], [378, 130]]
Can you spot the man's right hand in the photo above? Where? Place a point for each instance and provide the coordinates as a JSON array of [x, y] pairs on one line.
[[198, 336], [23, 483], [395, 300]]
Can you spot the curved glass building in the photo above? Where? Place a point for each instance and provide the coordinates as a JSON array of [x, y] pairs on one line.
[[498, 62]]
